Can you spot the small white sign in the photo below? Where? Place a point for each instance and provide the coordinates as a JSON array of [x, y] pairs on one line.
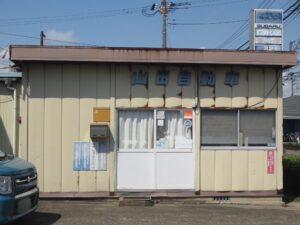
[[268, 40], [268, 32], [160, 115], [187, 123], [160, 123]]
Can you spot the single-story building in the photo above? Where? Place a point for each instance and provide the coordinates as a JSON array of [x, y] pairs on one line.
[[103, 120]]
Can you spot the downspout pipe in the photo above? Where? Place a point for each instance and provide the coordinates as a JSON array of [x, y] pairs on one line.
[[14, 90]]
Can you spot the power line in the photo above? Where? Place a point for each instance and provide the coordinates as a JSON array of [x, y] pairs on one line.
[[165, 7], [68, 17], [294, 8], [48, 39], [244, 27], [208, 23]]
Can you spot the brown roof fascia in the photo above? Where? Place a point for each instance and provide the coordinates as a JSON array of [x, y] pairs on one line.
[[20, 53]]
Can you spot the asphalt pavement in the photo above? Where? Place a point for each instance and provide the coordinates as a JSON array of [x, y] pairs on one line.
[[110, 213]]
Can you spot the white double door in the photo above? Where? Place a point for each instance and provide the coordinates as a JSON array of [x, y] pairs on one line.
[[150, 170], [145, 164]]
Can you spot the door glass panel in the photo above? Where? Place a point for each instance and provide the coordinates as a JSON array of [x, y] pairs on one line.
[[136, 129], [174, 129]]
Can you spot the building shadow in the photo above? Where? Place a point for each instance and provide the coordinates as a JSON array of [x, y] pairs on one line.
[[38, 218]]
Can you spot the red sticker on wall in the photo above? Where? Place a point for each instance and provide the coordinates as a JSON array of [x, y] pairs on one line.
[[270, 161], [187, 114]]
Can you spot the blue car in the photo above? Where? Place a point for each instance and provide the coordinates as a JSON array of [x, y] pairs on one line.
[[18, 188]]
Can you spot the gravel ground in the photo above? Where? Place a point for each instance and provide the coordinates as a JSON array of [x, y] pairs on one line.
[[109, 213]]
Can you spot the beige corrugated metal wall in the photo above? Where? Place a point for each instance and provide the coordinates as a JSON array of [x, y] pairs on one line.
[[6, 119], [57, 108]]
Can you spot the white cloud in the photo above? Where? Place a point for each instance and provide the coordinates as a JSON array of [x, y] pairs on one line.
[[67, 36]]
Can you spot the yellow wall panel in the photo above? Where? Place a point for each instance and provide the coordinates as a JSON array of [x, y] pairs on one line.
[[70, 125], [279, 135], [23, 113], [256, 170], [189, 92], [139, 96], [103, 100], [113, 137], [52, 129], [207, 170], [240, 91], [6, 119], [139, 93], [256, 87], [239, 170], [88, 92], [156, 92], [270, 88], [103, 85], [223, 170], [206, 94], [223, 92], [123, 83], [36, 120], [173, 91]]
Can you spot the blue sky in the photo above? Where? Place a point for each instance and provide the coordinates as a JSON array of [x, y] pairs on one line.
[[105, 23]]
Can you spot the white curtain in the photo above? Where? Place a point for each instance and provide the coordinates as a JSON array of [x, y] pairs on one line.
[[174, 129], [136, 129]]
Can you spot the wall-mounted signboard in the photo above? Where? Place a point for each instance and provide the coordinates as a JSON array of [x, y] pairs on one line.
[[266, 29], [88, 156]]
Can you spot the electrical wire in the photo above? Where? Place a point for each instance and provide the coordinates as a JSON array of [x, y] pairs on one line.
[[244, 27], [68, 17], [208, 23], [48, 39], [292, 11], [218, 4]]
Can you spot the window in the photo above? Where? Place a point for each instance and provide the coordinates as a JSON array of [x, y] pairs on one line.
[[241, 128], [257, 128], [136, 129], [171, 129], [219, 128]]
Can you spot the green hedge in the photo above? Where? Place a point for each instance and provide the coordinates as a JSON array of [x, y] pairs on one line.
[[291, 174]]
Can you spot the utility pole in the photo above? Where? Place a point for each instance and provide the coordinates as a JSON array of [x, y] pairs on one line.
[[42, 36], [164, 8]]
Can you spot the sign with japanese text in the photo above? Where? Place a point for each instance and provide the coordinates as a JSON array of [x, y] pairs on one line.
[[270, 161]]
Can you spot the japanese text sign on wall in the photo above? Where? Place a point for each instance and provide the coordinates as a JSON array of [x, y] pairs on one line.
[[270, 162], [207, 78], [139, 77], [184, 78], [162, 77], [232, 78]]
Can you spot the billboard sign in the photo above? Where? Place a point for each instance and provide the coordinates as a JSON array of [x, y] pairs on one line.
[[266, 30]]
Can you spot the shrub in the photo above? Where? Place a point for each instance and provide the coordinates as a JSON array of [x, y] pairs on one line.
[[291, 174]]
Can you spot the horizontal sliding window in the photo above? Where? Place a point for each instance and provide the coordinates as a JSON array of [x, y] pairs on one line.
[[257, 128], [218, 128], [242, 128]]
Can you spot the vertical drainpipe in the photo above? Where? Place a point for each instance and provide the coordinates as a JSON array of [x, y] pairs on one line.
[[14, 90]]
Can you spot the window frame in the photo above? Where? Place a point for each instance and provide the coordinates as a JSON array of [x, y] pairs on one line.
[[238, 147], [154, 149]]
